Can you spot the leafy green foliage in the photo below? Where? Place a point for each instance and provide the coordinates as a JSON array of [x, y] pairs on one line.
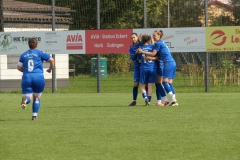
[[222, 21], [117, 63], [82, 63], [236, 11], [185, 13]]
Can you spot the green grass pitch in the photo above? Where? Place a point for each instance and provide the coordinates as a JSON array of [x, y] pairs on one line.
[[101, 126]]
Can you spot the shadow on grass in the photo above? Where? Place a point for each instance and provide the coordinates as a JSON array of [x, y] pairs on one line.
[[107, 106]]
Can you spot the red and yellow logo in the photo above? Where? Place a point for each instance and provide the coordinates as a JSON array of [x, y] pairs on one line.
[[218, 35], [222, 39]]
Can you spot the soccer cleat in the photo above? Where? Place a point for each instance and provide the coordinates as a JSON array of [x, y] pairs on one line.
[[166, 103], [147, 102], [24, 102], [133, 103], [173, 102], [159, 104], [34, 118]]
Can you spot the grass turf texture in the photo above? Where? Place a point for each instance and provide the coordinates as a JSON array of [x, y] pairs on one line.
[[101, 126], [123, 83]]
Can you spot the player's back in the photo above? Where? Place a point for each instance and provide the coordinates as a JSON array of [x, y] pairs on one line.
[[147, 63], [164, 52], [32, 61]]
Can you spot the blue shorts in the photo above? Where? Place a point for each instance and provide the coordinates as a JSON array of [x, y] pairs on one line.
[[147, 75], [169, 70], [160, 71], [32, 83], [136, 74]]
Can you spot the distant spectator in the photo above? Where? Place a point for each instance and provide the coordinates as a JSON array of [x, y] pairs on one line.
[[234, 60]]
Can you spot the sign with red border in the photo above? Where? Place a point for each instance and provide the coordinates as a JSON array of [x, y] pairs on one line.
[[108, 41]]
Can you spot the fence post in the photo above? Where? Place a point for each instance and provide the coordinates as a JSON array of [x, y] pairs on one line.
[[98, 56], [53, 56], [144, 14], [207, 53]]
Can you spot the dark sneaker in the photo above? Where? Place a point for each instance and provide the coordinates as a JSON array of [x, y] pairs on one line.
[[147, 102], [24, 102], [133, 103], [34, 118]]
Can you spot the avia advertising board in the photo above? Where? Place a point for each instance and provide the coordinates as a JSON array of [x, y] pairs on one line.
[[108, 41]]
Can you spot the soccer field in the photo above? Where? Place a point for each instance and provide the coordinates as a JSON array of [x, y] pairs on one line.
[[101, 126]]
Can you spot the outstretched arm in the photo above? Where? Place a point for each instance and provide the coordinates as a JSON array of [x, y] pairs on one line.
[[133, 55], [51, 61], [151, 58], [147, 53]]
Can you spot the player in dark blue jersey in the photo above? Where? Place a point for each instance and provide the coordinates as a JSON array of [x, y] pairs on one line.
[[33, 83], [136, 74], [169, 64], [147, 69]]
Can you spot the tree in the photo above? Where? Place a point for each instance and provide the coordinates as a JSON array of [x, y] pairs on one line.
[[223, 21], [1, 16], [185, 13], [236, 11]]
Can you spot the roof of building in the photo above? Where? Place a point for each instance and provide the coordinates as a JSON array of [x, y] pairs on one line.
[[216, 2], [18, 11], [220, 3]]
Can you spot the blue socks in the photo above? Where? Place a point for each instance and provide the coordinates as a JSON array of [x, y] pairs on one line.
[[28, 99], [135, 93], [172, 88], [161, 90], [158, 94], [144, 95], [149, 98], [36, 105], [167, 87]]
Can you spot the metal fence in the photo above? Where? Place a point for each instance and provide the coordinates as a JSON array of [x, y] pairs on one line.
[[36, 15]]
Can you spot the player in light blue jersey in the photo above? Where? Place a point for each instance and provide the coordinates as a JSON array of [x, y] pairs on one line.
[[147, 69], [169, 65], [33, 83], [136, 74]]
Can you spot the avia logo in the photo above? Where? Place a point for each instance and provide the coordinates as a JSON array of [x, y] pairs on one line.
[[5, 40], [219, 35], [74, 42]]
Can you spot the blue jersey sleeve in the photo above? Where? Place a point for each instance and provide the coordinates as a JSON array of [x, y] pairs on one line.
[[139, 57], [21, 59], [157, 46], [45, 56], [133, 55]]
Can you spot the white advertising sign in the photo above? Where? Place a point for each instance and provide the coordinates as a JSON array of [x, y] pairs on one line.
[[52, 42], [181, 39]]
